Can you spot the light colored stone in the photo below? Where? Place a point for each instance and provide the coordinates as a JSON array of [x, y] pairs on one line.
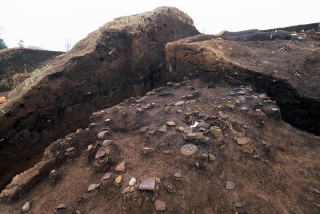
[[160, 205], [102, 152], [243, 140], [179, 103], [118, 179], [61, 206], [217, 133], [238, 204], [70, 149], [178, 175], [148, 184], [212, 157], [121, 167], [189, 149], [106, 143], [171, 123], [102, 135], [93, 187], [107, 175], [26, 207], [163, 129], [230, 185], [132, 181]]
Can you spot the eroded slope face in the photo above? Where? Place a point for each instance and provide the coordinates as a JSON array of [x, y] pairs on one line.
[[123, 58], [17, 63], [287, 70], [186, 148]]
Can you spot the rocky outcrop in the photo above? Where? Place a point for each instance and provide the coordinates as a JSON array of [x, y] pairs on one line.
[[20, 62], [287, 70], [121, 59]]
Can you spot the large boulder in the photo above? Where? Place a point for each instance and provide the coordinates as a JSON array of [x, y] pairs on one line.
[[21, 61], [123, 58]]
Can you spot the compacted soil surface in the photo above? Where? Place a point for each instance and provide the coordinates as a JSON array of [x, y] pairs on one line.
[[189, 147]]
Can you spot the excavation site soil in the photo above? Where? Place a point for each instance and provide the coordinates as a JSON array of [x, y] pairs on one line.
[[147, 115]]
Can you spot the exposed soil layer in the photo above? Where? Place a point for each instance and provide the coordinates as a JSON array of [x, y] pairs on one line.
[[246, 159], [288, 71], [21, 62], [121, 59]]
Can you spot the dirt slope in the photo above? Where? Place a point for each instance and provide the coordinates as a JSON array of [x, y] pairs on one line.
[[121, 59], [288, 70], [245, 158], [20, 62]]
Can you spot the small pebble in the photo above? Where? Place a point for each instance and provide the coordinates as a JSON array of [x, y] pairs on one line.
[[26, 207]]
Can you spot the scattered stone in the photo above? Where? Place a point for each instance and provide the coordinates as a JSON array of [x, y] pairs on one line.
[[238, 204], [217, 133], [212, 157], [92, 125], [204, 156], [102, 135], [132, 182], [180, 129], [107, 121], [179, 103], [171, 123], [118, 179], [189, 149], [148, 184], [196, 137], [195, 124], [102, 152], [203, 124], [163, 129], [70, 149], [121, 167], [230, 185], [107, 175], [139, 110], [160, 205], [243, 140], [61, 206], [144, 129], [93, 187], [314, 190], [26, 207], [178, 175], [152, 132], [128, 189], [106, 143]]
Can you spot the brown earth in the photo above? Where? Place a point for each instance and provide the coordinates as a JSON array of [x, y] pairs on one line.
[[259, 164], [287, 70], [21, 62], [121, 59], [237, 89]]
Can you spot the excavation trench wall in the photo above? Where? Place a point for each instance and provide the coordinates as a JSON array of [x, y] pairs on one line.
[[124, 58], [188, 61]]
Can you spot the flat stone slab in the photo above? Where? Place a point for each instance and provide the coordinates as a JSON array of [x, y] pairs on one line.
[[243, 140], [102, 152], [148, 184], [189, 149]]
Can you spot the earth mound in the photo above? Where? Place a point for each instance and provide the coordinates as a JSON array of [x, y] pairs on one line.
[[287, 69], [17, 63], [185, 148], [234, 130], [121, 59]]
